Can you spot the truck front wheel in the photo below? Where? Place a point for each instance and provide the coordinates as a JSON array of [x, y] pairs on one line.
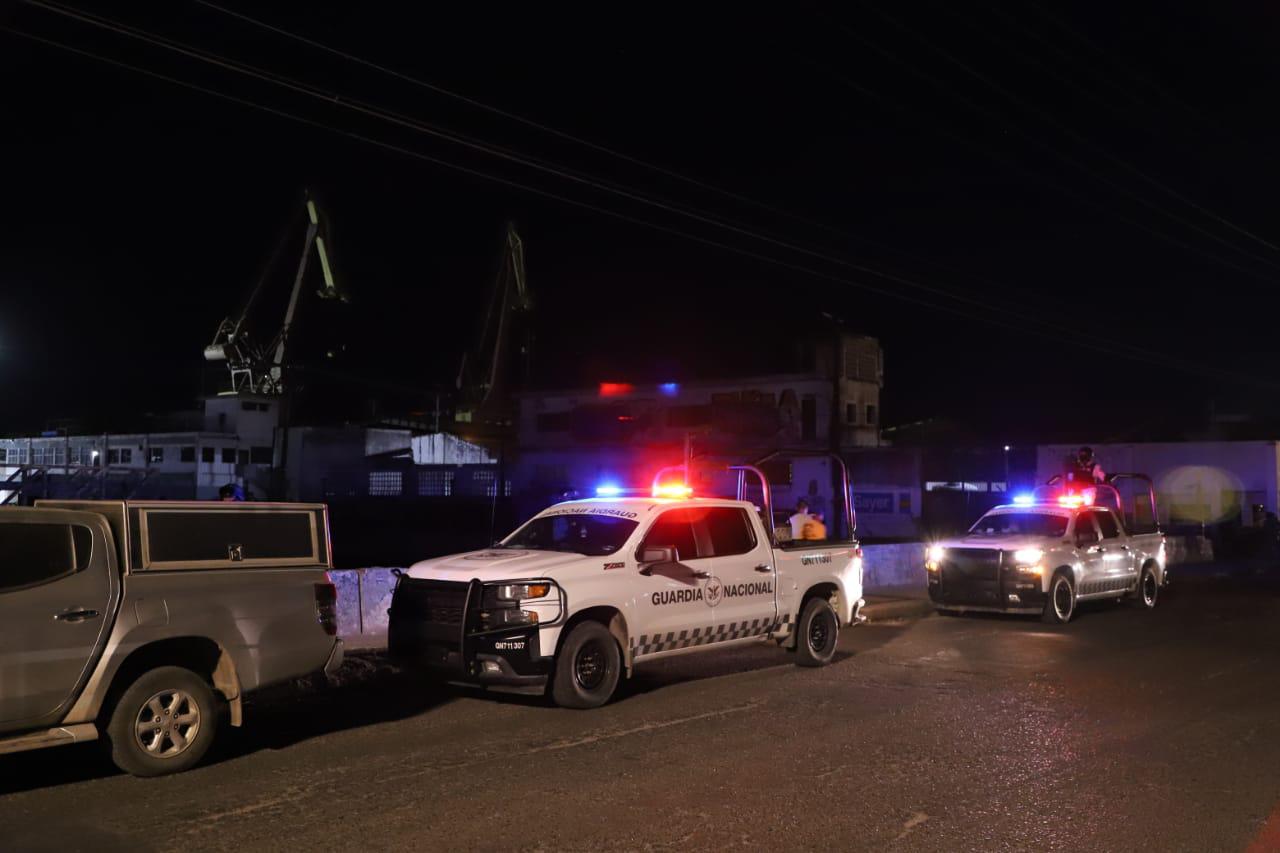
[[587, 668], [163, 723], [1061, 603], [819, 629]]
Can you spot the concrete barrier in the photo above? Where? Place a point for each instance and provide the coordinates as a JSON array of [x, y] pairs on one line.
[[363, 598], [897, 565]]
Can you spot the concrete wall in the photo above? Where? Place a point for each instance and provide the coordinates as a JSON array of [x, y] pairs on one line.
[[364, 595]]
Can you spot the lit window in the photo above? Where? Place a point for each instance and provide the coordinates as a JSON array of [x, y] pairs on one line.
[[155, 455], [384, 484], [435, 484]]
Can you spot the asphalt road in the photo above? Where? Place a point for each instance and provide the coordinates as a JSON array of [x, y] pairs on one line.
[[1123, 730]]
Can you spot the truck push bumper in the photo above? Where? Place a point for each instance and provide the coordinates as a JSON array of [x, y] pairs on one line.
[[435, 627], [858, 618], [982, 580]]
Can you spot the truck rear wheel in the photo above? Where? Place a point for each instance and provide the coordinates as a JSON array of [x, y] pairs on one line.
[[587, 668], [163, 723], [819, 630], [1061, 603], [1148, 590]]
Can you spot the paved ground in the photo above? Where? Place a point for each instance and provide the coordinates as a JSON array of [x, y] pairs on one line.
[[1124, 730]]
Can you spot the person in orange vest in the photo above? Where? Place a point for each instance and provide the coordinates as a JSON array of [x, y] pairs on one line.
[[814, 528]]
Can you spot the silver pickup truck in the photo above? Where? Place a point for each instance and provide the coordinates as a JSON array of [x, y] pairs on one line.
[[144, 624]]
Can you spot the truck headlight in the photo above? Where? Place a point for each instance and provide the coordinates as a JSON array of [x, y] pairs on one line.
[[1027, 556], [523, 591], [934, 557], [507, 618]]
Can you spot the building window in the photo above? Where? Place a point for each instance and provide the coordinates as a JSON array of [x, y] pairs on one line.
[[187, 454], [228, 456], [851, 413], [808, 419], [120, 456], [489, 479], [155, 455], [243, 457], [49, 454], [435, 484], [4, 455], [260, 455], [554, 421], [206, 454], [871, 415], [688, 416], [384, 484]]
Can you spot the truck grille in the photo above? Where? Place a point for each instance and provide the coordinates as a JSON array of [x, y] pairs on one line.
[[971, 564], [435, 602]]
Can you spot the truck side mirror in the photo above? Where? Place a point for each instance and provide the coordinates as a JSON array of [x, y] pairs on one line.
[[651, 557], [659, 555]]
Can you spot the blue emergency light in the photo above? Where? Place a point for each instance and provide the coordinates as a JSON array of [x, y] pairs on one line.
[[1024, 499], [608, 490]]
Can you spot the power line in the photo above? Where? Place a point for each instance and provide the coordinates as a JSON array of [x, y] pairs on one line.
[[1050, 119], [475, 102], [1065, 156], [1131, 353], [510, 155], [516, 117], [329, 97]]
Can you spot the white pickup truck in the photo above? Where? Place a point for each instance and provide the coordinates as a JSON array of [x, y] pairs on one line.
[[586, 589], [1049, 550]]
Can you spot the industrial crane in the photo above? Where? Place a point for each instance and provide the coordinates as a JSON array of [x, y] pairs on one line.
[[259, 368], [504, 343]]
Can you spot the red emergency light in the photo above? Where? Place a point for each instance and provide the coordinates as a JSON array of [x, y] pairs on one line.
[[672, 490], [616, 389]]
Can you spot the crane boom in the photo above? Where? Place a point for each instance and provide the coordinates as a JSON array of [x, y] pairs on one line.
[[257, 368]]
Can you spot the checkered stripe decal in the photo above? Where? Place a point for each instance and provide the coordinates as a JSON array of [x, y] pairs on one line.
[[648, 644]]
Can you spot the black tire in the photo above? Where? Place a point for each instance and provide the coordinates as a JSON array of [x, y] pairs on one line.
[[1148, 591], [1060, 605], [185, 712], [818, 632], [588, 667]]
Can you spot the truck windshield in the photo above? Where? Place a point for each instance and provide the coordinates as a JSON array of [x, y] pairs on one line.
[[592, 535], [1021, 524]]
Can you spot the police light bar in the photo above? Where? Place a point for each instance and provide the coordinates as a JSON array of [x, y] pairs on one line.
[[1071, 501], [608, 491], [1024, 499], [672, 490]]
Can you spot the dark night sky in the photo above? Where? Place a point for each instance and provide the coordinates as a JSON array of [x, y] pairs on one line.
[[1004, 155]]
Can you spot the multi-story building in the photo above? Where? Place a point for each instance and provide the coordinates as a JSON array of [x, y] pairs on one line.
[[232, 441], [569, 441]]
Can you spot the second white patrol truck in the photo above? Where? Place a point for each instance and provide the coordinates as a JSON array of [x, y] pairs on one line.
[[1051, 549], [586, 589]]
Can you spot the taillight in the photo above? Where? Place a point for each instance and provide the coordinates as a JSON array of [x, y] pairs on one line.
[[327, 607]]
